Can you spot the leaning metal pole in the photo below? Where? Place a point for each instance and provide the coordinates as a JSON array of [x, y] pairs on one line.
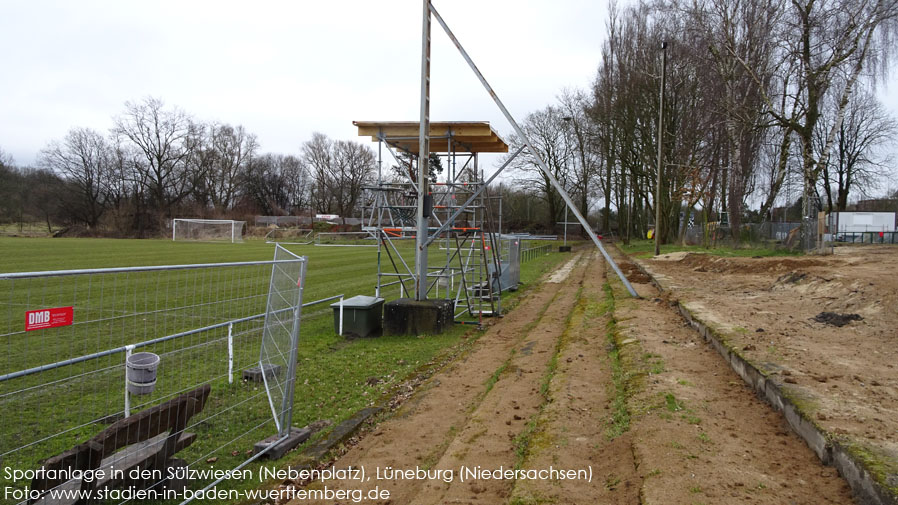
[[423, 159], [534, 152], [473, 197]]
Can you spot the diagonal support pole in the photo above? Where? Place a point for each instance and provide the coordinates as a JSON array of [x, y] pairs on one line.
[[471, 199], [540, 161]]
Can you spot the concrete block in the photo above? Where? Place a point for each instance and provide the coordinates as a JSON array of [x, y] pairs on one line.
[[406, 316], [339, 434], [278, 449], [254, 374]]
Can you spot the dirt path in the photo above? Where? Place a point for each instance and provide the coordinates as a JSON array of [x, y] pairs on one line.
[[573, 430], [574, 380]]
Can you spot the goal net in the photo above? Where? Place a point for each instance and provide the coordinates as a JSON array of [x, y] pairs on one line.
[[207, 230]]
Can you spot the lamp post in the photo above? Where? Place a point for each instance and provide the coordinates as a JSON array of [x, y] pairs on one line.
[[567, 121], [660, 150], [423, 213]]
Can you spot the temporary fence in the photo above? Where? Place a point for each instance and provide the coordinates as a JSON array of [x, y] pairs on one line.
[[346, 239], [809, 235], [289, 221], [531, 250], [289, 236], [197, 360], [868, 237]]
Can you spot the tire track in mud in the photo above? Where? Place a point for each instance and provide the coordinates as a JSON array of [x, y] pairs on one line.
[[497, 430], [459, 416], [576, 428]]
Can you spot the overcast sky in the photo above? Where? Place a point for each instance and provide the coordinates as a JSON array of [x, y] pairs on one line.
[[285, 69]]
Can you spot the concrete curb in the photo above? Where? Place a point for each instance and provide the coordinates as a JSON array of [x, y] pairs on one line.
[[341, 432], [831, 451]]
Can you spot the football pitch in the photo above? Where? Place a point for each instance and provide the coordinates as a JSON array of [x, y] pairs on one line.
[[334, 374]]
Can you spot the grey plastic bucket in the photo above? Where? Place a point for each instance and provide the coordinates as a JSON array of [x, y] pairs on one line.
[[140, 372]]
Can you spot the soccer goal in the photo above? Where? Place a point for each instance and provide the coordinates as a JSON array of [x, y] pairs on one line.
[[207, 230]]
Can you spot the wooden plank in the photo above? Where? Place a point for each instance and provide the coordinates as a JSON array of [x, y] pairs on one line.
[[411, 129], [86, 456], [166, 420], [437, 147], [134, 456], [139, 455], [148, 423]]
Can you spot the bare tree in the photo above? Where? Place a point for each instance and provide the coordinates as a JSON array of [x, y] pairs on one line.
[[353, 167], [6, 159], [824, 45], [11, 187], [83, 158], [339, 169], [858, 160], [165, 138], [738, 34], [317, 154], [219, 163], [297, 183], [546, 130], [278, 184], [583, 156]]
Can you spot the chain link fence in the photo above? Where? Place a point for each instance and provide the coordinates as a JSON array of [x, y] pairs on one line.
[[809, 235]]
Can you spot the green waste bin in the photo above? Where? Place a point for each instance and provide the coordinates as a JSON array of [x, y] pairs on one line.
[[362, 316]]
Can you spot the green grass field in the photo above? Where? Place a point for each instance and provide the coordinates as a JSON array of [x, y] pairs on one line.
[[332, 376]]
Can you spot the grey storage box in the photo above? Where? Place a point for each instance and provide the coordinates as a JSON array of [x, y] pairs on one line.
[[362, 316]]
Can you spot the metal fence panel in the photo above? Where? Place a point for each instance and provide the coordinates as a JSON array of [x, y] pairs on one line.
[[65, 335], [280, 335]]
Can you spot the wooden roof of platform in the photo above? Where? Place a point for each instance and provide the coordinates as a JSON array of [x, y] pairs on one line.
[[467, 136]]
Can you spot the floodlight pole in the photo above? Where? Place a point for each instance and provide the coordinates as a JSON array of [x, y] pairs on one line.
[[567, 122], [541, 163], [423, 160], [660, 149]]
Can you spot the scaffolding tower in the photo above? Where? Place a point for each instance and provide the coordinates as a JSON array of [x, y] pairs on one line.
[[474, 264]]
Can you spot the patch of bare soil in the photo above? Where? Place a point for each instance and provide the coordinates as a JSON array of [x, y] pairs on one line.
[[633, 273], [717, 264], [770, 309], [700, 434]]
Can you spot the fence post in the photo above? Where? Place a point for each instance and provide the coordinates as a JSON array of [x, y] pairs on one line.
[[128, 350], [341, 317], [231, 353]]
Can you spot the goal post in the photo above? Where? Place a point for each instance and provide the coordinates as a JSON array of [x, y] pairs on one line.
[[207, 230]]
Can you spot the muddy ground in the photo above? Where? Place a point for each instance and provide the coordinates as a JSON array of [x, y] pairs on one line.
[[825, 326], [580, 377]]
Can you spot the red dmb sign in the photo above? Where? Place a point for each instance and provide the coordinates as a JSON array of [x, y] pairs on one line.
[[48, 318]]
